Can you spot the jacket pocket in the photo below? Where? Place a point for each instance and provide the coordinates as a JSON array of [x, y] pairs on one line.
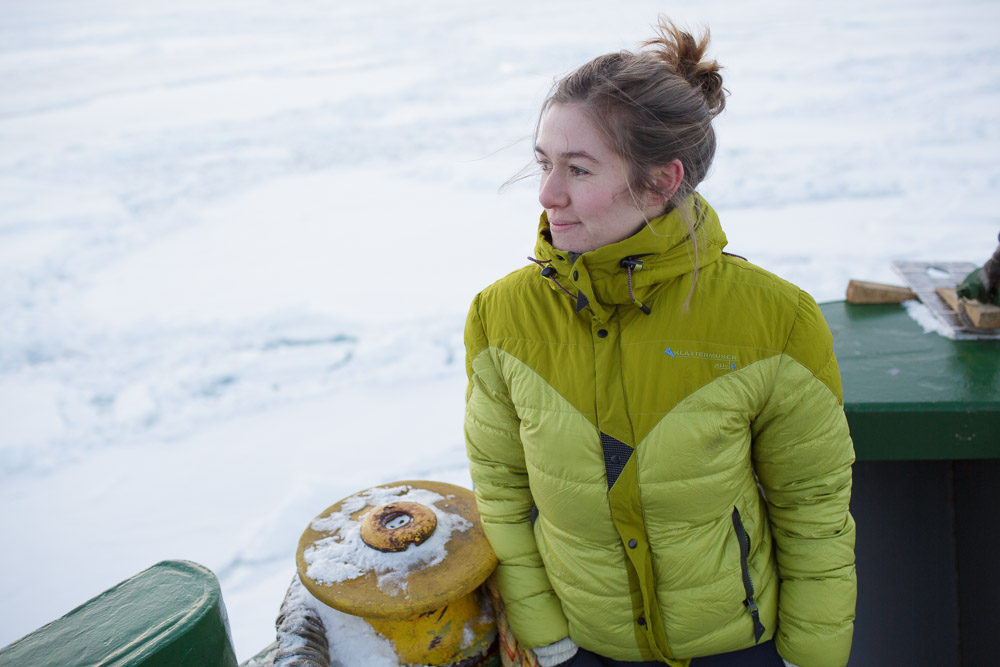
[[744, 540]]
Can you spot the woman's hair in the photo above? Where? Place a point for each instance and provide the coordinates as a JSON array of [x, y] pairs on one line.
[[652, 107]]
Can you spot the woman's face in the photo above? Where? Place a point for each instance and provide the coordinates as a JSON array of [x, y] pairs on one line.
[[584, 185]]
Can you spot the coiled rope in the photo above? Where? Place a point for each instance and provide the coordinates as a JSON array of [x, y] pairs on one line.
[[302, 640], [512, 654]]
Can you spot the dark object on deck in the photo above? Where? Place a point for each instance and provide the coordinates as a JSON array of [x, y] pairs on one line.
[[983, 285], [991, 269]]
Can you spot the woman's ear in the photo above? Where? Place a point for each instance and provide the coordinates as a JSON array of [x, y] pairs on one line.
[[668, 178]]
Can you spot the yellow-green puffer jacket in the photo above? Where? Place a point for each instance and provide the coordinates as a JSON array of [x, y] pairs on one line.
[[616, 454]]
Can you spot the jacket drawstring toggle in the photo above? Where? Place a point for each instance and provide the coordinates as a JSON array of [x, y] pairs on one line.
[[628, 264], [550, 273]]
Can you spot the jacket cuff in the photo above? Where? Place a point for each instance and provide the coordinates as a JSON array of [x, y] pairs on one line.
[[556, 653]]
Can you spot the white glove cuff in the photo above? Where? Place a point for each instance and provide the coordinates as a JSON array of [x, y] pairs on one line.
[[556, 652], [788, 664]]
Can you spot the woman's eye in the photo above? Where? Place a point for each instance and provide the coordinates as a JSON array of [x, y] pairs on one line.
[[544, 166], [578, 171]]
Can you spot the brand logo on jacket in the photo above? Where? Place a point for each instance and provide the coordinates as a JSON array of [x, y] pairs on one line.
[[721, 361]]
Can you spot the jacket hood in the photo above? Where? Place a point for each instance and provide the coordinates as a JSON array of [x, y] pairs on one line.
[[600, 279]]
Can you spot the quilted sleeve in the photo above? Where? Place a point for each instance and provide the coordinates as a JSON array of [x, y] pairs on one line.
[[803, 454], [496, 462]]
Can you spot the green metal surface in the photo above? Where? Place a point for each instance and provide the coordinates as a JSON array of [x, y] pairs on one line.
[[167, 616], [911, 395]]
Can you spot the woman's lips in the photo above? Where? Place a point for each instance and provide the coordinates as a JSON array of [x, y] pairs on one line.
[[562, 223]]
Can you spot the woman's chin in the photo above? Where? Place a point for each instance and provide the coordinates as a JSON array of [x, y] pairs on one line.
[[568, 240]]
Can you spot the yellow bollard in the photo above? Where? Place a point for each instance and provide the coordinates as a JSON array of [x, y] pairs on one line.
[[418, 555], [441, 636]]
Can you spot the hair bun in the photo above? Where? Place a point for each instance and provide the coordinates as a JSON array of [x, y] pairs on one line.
[[684, 55]]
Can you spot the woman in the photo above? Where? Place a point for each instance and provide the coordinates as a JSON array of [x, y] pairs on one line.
[[655, 428]]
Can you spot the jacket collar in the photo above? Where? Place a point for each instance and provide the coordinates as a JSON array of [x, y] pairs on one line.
[[599, 279]]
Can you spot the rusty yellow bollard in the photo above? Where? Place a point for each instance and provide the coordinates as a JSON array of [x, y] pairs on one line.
[[409, 558]]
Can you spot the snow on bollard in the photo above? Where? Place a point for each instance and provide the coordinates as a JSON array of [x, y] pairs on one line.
[[407, 559]]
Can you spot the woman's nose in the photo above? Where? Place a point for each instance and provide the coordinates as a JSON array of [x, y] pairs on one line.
[[552, 191]]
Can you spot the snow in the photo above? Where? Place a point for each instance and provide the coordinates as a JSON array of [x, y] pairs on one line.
[[342, 555], [352, 640], [238, 239], [927, 320]]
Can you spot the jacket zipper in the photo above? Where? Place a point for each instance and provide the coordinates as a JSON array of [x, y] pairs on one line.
[[751, 605]]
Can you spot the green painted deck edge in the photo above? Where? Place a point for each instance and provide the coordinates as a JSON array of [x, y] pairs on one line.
[[168, 615], [911, 395], [911, 435]]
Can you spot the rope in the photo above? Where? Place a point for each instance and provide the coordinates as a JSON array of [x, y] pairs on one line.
[[512, 654], [302, 640]]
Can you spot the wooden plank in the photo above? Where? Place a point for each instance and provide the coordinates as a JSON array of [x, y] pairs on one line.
[[860, 291], [982, 315], [949, 295]]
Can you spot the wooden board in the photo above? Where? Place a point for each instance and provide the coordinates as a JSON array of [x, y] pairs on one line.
[[860, 291], [982, 316]]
